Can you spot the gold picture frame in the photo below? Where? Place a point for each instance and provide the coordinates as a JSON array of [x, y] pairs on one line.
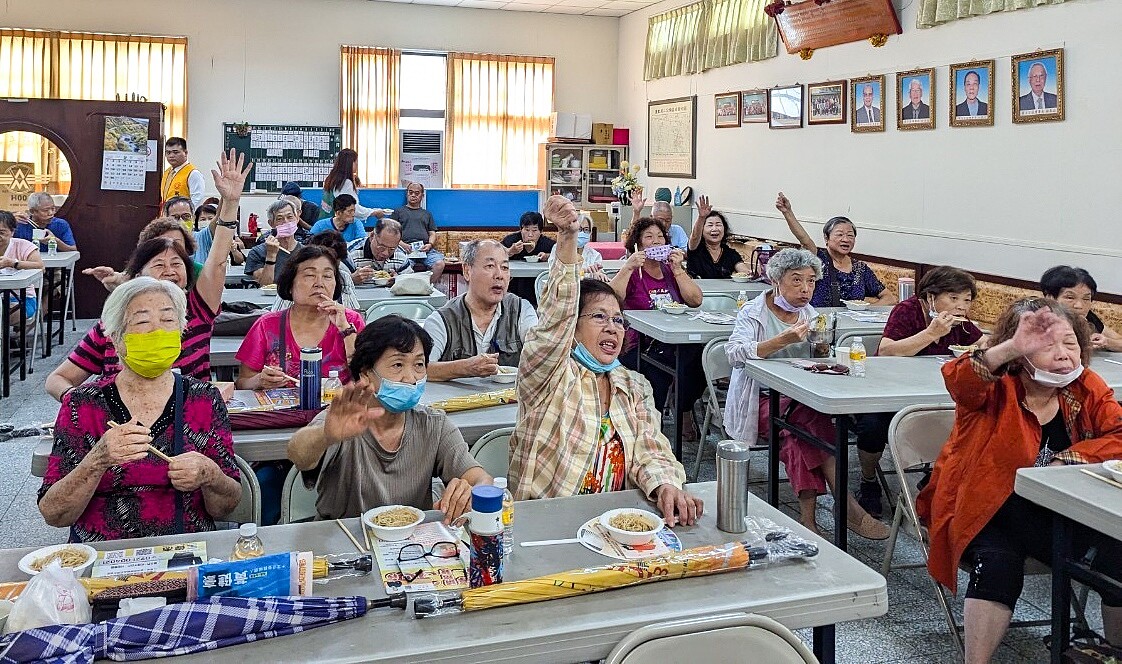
[[1027, 70], [910, 117], [860, 121], [979, 75]]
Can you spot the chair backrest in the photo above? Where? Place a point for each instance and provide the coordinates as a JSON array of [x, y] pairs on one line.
[[248, 509], [715, 640], [492, 451], [413, 310], [715, 365], [871, 342], [916, 435], [539, 283], [297, 501], [718, 302]]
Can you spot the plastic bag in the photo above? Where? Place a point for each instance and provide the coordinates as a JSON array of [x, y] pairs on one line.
[[52, 597], [411, 284]]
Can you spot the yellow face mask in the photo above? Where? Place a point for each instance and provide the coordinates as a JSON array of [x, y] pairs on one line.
[[150, 354]]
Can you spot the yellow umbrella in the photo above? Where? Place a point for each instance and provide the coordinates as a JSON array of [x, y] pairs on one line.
[[473, 401]]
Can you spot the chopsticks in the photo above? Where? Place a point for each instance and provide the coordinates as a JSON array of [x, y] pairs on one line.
[[151, 448], [1112, 361], [1100, 477], [351, 537]]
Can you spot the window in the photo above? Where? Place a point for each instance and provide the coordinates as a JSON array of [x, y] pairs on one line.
[[424, 92]]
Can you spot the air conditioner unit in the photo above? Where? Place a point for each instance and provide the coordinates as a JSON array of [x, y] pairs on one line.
[[422, 158]]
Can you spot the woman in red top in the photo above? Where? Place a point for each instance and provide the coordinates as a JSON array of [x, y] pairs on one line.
[[1025, 401]]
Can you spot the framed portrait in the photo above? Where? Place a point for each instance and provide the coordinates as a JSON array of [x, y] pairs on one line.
[[1038, 86], [672, 138], [753, 106], [726, 110], [825, 103], [915, 95], [785, 107], [867, 114], [971, 98]]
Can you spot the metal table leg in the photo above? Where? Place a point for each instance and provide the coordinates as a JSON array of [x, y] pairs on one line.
[[841, 482], [773, 450], [48, 301], [823, 644], [6, 342], [22, 334], [1061, 586]]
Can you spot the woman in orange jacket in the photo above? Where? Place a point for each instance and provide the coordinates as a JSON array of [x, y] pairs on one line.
[[1025, 401]]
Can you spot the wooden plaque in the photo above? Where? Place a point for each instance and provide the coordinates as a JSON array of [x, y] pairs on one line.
[[808, 25]]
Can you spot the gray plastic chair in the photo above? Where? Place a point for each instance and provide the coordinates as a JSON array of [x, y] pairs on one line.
[[871, 342], [718, 302], [539, 283], [715, 366], [297, 501], [413, 310], [492, 451], [722, 639], [248, 509]]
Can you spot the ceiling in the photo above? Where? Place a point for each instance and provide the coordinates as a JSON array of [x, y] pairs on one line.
[[585, 7]]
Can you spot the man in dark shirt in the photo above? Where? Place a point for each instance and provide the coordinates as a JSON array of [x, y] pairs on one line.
[[419, 228], [529, 240]]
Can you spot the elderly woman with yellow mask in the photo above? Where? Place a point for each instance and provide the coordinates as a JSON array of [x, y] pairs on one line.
[[104, 479]]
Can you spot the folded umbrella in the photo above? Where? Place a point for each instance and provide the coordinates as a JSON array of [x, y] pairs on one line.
[[473, 401]]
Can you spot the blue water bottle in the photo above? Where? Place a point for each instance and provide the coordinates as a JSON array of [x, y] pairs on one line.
[[310, 359], [485, 528]]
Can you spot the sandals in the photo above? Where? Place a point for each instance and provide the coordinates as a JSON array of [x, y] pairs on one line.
[[868, 527]]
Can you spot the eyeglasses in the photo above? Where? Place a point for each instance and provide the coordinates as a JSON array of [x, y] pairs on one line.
[[412, 552], [603, 320], [183, 216]]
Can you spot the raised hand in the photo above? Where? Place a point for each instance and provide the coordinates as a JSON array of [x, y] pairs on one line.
[[704, 209], [783, 204], [560, 212], [1037, 330], [351, 411], [230, 176]]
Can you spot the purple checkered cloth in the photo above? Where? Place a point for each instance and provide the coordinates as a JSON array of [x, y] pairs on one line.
[[178, 629]]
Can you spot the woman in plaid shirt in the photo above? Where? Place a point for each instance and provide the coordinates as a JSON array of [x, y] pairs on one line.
[[585, 423]]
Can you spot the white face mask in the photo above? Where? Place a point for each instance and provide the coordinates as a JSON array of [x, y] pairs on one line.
[[1057, 380]]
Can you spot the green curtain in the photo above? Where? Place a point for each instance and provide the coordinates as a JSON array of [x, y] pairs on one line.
[[708, 34], [938, 12], [673, 46]]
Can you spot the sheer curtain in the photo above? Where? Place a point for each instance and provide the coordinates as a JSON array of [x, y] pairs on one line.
[[708, 34], [369, 111], [25, 71], [673, 43], [498, 112], [938, 12]]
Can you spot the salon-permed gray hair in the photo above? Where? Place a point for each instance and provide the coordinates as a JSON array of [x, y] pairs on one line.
[[792, 259], [473, 247], [114, 314], [279, 205]]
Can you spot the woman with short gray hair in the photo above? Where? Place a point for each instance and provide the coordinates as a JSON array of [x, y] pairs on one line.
[[265, 262], [144, 452], [776, 325]]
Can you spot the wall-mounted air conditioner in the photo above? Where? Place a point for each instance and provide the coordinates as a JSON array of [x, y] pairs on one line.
[[422, 158]]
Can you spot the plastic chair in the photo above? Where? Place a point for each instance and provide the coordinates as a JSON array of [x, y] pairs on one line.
[[492, 451], [718, 302], [297, 501], [539, 283], [871, 342], [721, 639], [412, 310], [715, 366], [248, 509]]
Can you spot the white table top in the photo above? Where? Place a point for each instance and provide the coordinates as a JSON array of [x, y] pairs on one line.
[[751, 288], [834, 588], [65, 259], [1069, 492], [675, 328], [234, 274], [520, 268], [222, 351], [367, 295], [20, 279]]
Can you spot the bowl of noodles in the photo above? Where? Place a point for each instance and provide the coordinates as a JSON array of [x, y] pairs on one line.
[[77, 557], [631, 526], [391, 523]]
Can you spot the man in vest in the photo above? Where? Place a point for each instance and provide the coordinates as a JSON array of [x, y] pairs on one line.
[[181, 178], [483, 329]]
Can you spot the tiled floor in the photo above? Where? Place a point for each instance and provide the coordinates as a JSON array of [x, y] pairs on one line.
[[913, 630]]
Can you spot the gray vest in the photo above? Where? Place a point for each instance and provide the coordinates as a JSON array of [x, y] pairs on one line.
[[461, 336]]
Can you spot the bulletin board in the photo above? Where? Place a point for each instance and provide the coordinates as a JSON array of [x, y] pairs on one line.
[[285, 153]]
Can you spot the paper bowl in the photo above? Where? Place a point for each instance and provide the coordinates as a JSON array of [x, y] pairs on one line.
[[855, 305], [959, 351], [1114, 467], [391, 533], [675, 308], [271, 288], [628, 537], [532, 259], [506, 375], [26, 561], [381, 282], [741, 278]]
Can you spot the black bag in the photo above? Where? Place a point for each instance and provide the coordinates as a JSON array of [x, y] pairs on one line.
[[235, 318]]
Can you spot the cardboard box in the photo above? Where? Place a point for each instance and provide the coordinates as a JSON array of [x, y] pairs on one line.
[[621, 136], [600, 220], [571, 126], [601, 133]]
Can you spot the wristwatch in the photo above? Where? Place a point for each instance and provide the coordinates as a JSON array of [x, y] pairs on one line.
[[348, 332], [269, 262], [228, 224]]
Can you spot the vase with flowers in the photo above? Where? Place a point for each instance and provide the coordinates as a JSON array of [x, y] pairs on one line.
[[626, 182]]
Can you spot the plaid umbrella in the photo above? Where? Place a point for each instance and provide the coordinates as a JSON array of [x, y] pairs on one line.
[[178, 629]]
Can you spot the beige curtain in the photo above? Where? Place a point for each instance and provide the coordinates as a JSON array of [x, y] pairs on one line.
[[498, 112], [674, 45], [25, 71], [369, 111], [738, 31], [937, 12]]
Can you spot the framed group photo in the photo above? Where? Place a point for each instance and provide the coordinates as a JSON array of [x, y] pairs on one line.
[[915, 94], [726, 110], [785, 107], [972, 93], [826, 103], [753, 106], [868, 104], [1038, 86]]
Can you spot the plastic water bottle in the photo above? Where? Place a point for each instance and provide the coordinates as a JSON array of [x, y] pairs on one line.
[[331, 386], [249, 545], [741, 299], [508, 517], [857, 357], [677, 195], [52, 246]]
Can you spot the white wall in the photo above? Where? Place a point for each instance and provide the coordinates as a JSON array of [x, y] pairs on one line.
[[1008, 199], [277, 61]]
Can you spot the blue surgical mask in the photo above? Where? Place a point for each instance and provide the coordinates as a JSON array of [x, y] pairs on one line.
[[582, 238], [398, 397], [581, 354]]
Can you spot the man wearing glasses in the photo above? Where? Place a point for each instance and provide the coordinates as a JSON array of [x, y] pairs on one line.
[[383, 247], [40, 224], [180, 209]]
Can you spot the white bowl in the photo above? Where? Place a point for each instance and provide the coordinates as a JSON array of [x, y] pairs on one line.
[[381, 282], [26, 561], [855, 305], [675, 308], [271, 288], [394, 533], [531, 259], [959, 351], [506, 375], [628, 537], [741, 278], [1114, 467]]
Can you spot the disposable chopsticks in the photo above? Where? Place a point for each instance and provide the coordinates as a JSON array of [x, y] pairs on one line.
[[351, 537], [1100, 477], [151, 448]]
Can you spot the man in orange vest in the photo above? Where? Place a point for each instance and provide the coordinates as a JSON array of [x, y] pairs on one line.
[[181, 178]]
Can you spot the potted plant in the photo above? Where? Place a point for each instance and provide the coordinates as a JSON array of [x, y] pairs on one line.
[[626, 182], [241, 129]]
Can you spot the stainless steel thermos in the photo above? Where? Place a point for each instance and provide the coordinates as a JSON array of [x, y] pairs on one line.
[[732, 486]]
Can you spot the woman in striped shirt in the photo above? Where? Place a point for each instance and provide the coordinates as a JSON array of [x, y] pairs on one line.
[[165, 259]]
